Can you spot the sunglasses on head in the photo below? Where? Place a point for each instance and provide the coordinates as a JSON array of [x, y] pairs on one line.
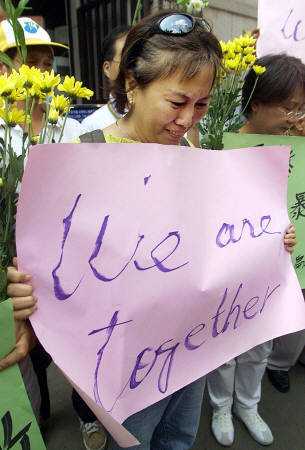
[[177, 24]]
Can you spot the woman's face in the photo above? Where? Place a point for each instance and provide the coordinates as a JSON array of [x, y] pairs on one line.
[[111, 68], [166, 109], [277, 118], [40, 56]]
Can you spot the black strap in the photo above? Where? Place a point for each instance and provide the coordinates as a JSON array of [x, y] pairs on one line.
[[96, 136], [184, 142]]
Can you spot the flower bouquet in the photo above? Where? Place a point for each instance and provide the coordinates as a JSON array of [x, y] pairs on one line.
[[225, 113], [189, 6], [20, 91]]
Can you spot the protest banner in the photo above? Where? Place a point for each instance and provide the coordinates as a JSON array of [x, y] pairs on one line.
[[154, 265], [18, 427], [282, 27], [296, 184]]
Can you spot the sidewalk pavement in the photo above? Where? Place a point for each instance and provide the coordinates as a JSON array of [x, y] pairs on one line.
[[284, 413]]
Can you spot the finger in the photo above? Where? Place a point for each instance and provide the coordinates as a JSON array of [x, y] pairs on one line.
[[24, 313], [291, 227], [19, 290], [19, 353], [15, 262], [289, 249], [290, 235], [14, 276], [290, 240], [23, 302]]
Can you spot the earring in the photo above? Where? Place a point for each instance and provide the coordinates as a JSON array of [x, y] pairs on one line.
[[130, 99]]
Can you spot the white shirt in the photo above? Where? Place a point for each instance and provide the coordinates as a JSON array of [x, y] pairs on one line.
[[100, 119], [72, 131], [103, 117]]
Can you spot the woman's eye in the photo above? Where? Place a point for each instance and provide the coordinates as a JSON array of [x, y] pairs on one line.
[[177, 104], [201, 105]]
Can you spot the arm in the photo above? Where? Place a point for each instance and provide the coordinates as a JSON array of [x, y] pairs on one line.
[[24, 304]]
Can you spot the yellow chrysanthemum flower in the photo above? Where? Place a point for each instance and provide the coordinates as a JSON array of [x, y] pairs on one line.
[[48, 82], [7, 85], [13, 117], [244, 66], [85, 93], [31, 75], [36, 93], [249, 59], [224, 46], [249, 50], [230, 54], [17, 95], [53, 116], [246, 40], [232, 64], [17, 79], [237, 47], [73, 88], [61, 104], [35, 139], [259, 70]]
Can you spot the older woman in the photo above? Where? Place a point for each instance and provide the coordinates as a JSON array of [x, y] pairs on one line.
[[275, 96], [168, 67]]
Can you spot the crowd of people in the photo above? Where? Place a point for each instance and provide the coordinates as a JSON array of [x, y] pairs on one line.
[[160, 74]]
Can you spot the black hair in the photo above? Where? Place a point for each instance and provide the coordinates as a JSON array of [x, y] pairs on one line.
[[284, 74], [147, 57], [108, 45], [11, 52]]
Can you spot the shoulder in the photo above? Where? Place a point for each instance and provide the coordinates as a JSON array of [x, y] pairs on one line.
[[72, 130], [96, 136], [73, 123], [101, 118]]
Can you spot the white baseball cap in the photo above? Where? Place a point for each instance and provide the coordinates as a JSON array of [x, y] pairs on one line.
[[34, 34]]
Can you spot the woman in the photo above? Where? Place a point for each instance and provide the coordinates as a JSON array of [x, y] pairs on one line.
[[276, 96], [168, 67], [111, 57]]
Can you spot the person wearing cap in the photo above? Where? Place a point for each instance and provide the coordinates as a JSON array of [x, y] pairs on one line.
[[111, 57], [40, 53]]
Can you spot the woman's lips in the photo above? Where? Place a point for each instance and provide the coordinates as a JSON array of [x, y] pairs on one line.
[[177, 134]]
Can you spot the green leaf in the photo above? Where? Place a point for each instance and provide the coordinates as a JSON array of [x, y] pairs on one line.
[[22, 5], [5, 59], [3, 283], [9, 9], [20, 39]]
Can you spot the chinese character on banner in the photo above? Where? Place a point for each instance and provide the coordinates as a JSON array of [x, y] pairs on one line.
[[298, 209]]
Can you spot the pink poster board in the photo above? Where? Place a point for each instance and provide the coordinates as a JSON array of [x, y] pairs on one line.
[[282, 27], [154, 265]]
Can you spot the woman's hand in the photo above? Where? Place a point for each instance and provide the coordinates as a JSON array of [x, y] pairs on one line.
[[21, 293], [290, 239], [25, 341]]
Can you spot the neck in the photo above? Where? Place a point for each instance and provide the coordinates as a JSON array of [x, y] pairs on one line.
[[248, 129], [128, 128]]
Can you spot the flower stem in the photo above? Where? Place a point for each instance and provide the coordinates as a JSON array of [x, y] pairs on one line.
[[63, 127], [137, 14]]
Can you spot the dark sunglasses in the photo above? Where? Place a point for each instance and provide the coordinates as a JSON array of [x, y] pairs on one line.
[[178, 24]]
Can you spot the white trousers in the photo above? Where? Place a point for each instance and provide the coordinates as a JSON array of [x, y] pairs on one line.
[[239, 380]]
